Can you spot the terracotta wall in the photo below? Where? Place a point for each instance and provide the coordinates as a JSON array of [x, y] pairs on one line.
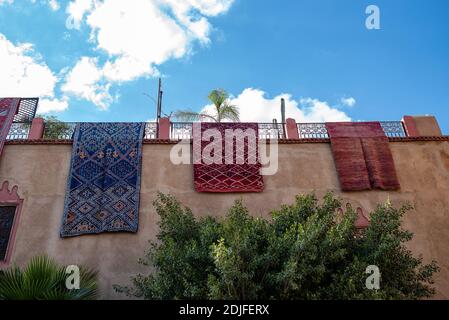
[[41, 171]]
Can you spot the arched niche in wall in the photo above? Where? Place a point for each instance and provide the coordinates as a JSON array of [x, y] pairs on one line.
[[362, 222], [10, 209]]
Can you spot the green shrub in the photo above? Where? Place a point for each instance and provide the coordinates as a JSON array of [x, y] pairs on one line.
[[54, 128], [303, 252]]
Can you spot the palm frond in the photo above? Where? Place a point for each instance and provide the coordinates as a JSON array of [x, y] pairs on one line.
[[223, 109], [42, 278], [187, 116], [39, 275], [88, 285], [190, 116], [218, 97], [230, 112], [11, 281]]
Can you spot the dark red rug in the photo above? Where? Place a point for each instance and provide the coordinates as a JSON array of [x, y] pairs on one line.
[[380, 163], [350, 164], [8, 109], [362, 156]]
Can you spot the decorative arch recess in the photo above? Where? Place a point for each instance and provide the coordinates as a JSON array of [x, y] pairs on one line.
[[10, 198], [362, 222]]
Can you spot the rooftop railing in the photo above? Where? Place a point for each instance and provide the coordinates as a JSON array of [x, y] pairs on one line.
[[312, 130], [65, 130], [272, 131], [183, 130], [59, 130], [392, 129], [55, 130], [19, 131]]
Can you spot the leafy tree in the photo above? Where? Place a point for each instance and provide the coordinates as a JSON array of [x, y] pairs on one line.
[[304, 252], [54, 128], [223, 109], [43, 279]]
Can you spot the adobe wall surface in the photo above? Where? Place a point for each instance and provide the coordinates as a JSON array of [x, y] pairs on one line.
[[41, 172]]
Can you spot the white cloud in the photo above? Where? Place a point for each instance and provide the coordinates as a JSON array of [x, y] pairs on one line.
[[206, 7], [54, 5], [52, 105], [136, 38], [254, 106], [77, 9], [198, 27], [139, 37], [85, 81], [315, 110], [23, 74], [348, 102]]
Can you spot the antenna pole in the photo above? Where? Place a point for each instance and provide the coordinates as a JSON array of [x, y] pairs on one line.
[[159, 100], [283, 116], [283, 110]]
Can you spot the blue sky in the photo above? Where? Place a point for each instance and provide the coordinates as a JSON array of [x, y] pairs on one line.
[[94, 60]]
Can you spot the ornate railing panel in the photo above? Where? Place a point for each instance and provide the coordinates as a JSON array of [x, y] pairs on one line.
[[393, 128], [318, 130], [151, 130], [65, 130], [312, 131], [181, 130], [271, 131], [19, 131]]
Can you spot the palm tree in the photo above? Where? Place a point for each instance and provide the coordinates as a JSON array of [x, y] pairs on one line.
[[43, 279], [223, 109]]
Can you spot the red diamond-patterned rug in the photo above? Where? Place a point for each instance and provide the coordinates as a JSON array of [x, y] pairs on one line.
[[237, 170], [8, 109]]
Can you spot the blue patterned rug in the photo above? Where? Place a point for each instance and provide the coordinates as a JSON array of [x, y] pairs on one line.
[[103, 186]]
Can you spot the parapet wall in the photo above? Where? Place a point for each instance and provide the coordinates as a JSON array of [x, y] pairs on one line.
[[40, 172]]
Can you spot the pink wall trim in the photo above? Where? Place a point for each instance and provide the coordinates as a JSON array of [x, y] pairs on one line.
[[410, 126], [10, 198], [37, 129], [164, 128], [292, 129]]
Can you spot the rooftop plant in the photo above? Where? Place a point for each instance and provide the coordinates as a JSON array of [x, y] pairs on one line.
[[222, 109]]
